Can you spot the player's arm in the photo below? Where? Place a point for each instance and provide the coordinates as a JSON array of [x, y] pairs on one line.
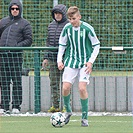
[[60, 56], [61, 50], [94, 53], [95, 44], [96, 47]]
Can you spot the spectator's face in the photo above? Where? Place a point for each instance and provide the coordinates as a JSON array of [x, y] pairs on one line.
[[58, 16], [15, 10]]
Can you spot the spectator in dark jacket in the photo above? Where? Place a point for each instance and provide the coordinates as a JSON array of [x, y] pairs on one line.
[[50, 57], [18, 34]]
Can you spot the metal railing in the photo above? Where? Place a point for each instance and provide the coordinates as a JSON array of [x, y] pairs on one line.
[[37, 61]]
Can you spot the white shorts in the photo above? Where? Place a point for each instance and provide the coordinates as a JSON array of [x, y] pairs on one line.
[[70, 74]]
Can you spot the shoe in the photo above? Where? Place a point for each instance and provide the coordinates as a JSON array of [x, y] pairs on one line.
[[8, 112], [2, 111], [53, 109], [57, 110], [64, 110], [68, 115], [84, 123], [15, 111]]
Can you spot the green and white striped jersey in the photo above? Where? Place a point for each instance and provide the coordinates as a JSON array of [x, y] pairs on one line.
[[79, 43]]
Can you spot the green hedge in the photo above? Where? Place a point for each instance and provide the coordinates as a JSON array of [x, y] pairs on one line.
[[111, 19]]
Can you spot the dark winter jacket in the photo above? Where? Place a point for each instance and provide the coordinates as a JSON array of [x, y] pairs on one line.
[[54, 30], [19, 34]]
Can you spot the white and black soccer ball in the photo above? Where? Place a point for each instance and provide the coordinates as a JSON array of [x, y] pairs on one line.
[[58, 119]]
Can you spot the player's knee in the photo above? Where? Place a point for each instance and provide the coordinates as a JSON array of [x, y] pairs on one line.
[[66, 89], [82, 90]]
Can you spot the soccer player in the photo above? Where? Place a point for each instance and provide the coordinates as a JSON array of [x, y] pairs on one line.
[[80, 47]]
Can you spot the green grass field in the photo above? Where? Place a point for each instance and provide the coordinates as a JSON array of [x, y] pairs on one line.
[[41, 124]]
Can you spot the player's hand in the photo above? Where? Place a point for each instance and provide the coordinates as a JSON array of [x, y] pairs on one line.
[[44, 64], [60, 65], [88, 69]]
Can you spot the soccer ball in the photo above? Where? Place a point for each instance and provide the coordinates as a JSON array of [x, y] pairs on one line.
[[58, 119]]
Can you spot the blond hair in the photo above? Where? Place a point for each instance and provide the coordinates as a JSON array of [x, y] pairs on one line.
[[72, 11]]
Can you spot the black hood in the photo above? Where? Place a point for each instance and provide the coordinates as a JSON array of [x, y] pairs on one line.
[[18, 3], [62, 9]]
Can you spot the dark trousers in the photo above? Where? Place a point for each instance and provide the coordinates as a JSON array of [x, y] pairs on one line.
[[11, 71], [54, 74]]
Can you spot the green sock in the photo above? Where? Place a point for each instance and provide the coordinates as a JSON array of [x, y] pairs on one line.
[[84, 104], [67, 103]]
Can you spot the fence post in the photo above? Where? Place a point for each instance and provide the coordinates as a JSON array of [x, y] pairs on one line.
[[22, 5], [55, 2], [37, 81]]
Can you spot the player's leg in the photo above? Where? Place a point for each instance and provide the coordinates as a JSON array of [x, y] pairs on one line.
[[68, 79], [66, 97], [84, 103], [83, 80]]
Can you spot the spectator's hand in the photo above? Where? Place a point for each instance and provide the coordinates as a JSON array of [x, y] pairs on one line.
[[60, 65], [44, 64], [88, 67]]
